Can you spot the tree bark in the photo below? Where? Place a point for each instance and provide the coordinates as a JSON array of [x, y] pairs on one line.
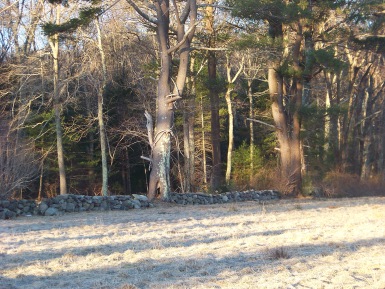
[[204, 159], [288, 125], [214, 101], [161, 147], [231, 135], [251, 129], [229, 91], [54, 43], [102, 129]]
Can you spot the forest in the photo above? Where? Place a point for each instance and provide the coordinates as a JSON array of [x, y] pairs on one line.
[[119, 97]]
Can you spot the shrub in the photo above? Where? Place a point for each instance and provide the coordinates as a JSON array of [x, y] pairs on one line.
[[338, 184], [18, 167], [242, 172]]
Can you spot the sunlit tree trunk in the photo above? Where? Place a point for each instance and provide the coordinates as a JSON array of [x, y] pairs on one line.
[[102, 129], [288, 126], [54, 43], [251, 128], [166, 96], [229, 91], [188, 131], [204, 159]]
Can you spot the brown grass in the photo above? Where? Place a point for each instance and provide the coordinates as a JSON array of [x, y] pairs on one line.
[[337, 184], [336, 243]]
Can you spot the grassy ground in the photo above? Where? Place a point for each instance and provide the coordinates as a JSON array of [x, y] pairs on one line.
[[337, 243]]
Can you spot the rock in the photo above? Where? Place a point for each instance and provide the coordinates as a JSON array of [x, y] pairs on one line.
[[225, 198], [51, 212], [128, 204], [137, 204], [70, 207], [7, 214], [5, 203], [104, 205], [43, 207], [140, 197], [97, 199], [63, 206]]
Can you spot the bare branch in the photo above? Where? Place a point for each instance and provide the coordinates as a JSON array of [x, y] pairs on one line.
[[265, 123], [214, 5], [9, 6], [141, 13], [209, 48], [146, 158], [185, 37], [173, 99]]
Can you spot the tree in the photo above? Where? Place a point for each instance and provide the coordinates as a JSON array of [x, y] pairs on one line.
[[230, 89], [214, 96], [291, 66], [102, 129], [169, 91], [54, 43]]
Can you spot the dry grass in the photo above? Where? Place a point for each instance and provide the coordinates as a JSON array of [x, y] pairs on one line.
[[289, 244]]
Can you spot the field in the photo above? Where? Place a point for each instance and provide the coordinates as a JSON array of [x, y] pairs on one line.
[[334, 243]]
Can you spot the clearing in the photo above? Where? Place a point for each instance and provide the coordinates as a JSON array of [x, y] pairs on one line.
[[334, 243]]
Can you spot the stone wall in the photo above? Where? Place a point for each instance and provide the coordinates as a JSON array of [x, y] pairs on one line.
[[79, 203], [230, 197]]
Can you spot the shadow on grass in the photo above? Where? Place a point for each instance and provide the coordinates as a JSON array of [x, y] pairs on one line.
[[167, 270]]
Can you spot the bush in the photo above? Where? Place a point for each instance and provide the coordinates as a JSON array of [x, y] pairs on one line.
[[18, 168], [242, 173], [337, 184]]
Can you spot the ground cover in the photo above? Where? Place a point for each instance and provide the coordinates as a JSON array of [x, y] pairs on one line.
[[334, 243]]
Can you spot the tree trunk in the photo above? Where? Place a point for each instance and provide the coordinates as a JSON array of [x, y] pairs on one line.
[[188, 131], [230, 89], [186, 148], [296, 152], [102, 130], [54, 43], [367, 129], [214, 101], [161, 142], [331, 120], [204, 160], [251, 129], [231, 135], [288, 125]]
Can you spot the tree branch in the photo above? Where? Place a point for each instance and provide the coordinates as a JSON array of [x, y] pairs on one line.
[[185, 37], [209, 48], [141, 13], [265, 123], [185, 12]]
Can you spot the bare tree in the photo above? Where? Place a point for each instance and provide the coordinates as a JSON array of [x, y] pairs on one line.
[[102, 130], [230, 89], [54, 43], [169, 90]]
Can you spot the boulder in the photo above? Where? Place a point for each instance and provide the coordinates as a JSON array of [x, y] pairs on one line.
[[51, 212], [43, 207], [141, 198]]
